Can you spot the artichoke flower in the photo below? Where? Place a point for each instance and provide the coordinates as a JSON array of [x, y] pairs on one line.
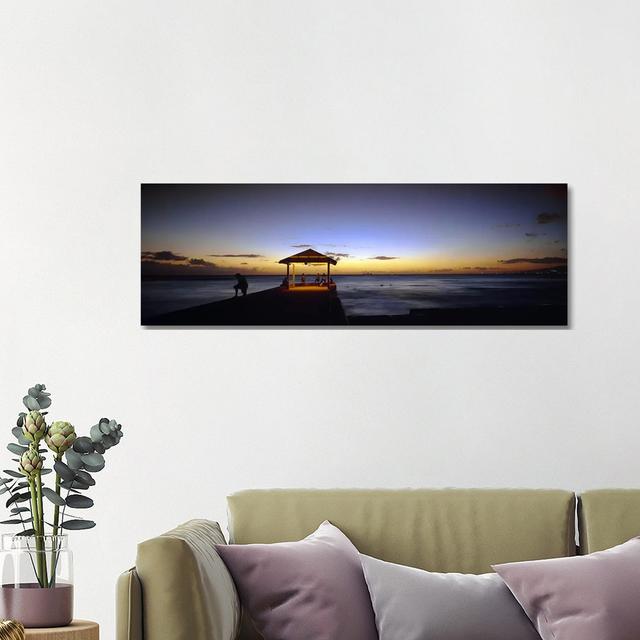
[[60, 436], [33, 426], [31, 463]]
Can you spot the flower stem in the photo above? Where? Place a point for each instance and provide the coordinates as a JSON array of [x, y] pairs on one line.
[[56, 519], [45, 580], [36, 526]]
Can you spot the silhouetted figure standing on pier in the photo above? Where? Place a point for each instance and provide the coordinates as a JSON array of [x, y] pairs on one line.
[[241, 285]]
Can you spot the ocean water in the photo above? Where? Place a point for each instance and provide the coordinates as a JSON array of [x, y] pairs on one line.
[[373, 295]]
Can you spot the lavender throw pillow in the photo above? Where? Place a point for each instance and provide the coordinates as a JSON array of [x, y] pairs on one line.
[[313, 588], [412, 604], [593, 597]]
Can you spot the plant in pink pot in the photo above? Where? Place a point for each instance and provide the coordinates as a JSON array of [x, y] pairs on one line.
[[36, 563]]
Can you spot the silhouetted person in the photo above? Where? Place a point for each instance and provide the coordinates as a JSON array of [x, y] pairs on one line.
[[241, 285], [302, 279]]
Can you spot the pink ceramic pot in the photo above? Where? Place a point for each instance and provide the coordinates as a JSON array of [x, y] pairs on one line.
[[37, 607]]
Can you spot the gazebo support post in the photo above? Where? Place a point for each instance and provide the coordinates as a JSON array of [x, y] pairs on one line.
[[328, 273]]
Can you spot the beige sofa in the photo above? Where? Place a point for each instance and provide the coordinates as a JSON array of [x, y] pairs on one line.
[[180, 590]]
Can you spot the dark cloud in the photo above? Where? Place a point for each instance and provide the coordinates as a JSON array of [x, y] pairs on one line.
[[338, 255], [301, 246], [199, 262], [547, 260], [244, 263], [384, 258], [475, 268], [507, 225], [235, 255], [193, 267], [549, 218], [162, 256], [534, 235]]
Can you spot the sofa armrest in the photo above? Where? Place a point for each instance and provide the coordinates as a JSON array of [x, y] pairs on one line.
[[187, 592], [129, 606]]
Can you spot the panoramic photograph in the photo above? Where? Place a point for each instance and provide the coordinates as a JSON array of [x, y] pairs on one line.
[[354, 255]]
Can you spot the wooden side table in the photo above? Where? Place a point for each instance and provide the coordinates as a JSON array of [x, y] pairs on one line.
[[77, 630]]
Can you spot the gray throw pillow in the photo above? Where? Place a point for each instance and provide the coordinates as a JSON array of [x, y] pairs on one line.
[[412, 604]]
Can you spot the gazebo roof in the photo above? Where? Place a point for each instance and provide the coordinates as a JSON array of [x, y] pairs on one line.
[[309, 256]]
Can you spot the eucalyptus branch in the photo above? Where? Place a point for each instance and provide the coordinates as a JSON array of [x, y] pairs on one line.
[[75, 460]]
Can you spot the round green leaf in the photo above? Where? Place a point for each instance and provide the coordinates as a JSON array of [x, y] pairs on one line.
[[83, 445], [63, 470], [79, 502], [31, 403], [74, 460], [88, 467], [14, 498], [16, 448], [95, 433], [52, 496], [93, 459], [76, 525], [85, 477]]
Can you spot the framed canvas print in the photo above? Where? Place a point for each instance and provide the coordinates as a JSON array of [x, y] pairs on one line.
[[349, 255]]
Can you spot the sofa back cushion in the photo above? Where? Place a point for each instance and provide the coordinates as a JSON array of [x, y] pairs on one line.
[[446, 530], [458, 530], [608, 517]]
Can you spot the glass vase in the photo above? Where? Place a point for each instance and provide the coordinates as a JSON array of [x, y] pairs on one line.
[[37, 580]]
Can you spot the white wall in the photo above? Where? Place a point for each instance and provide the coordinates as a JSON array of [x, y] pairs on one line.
[[97, 97]]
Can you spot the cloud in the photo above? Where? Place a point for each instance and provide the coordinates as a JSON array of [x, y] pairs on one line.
[[234, 255], [244, 263], [338, 255], [547, 260], [302, 246], [199, 262], [534, 235], [475, 268], [162, 256], [384, 258], [549, 218], [506, 225], [195, 267]]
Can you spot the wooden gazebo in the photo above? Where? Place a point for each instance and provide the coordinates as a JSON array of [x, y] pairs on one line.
[[307, 257]]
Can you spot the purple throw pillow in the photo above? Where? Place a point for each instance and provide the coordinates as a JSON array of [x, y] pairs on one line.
[[592, 597], [313, 588]]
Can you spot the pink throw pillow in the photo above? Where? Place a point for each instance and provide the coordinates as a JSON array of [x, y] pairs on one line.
[[592, 597], [314, 588]]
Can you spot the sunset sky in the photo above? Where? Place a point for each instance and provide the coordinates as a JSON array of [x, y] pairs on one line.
[[387, 229]]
